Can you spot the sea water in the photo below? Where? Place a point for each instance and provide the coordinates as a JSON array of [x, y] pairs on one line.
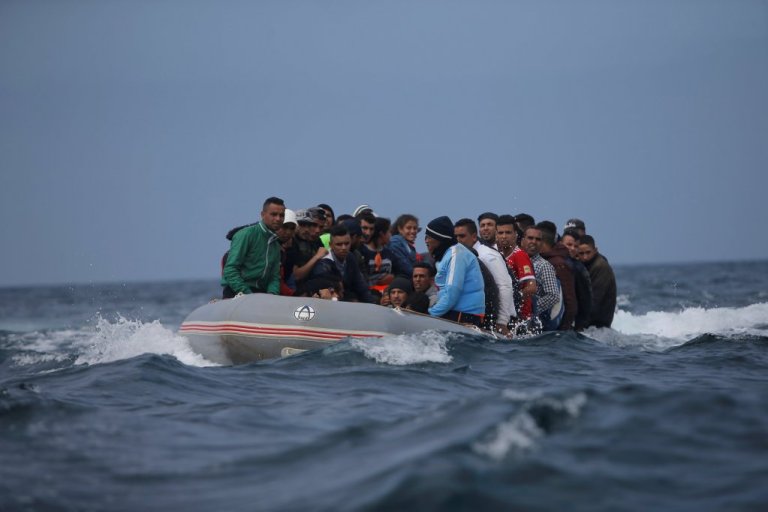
[[104, 406]]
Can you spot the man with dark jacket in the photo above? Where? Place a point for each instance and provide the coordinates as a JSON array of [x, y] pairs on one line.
[[557, 254], [603, 283], [338, 264], [583, 283]]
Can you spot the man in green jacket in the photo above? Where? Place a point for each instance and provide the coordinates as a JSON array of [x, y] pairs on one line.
[[253, 264]]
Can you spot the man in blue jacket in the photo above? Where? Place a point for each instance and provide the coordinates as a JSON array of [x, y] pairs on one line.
[[461, 295]]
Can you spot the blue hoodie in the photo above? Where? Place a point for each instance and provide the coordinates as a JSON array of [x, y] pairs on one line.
[[459, 282]]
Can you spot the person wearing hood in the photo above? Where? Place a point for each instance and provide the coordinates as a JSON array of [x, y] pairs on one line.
[[559, 256], [461, 294]]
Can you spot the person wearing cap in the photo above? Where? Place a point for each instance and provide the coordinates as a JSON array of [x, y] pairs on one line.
[[339, 264], [363, 208], [487, 222], [461, 294], [465, 231], [285, 234], [307, 249], [577, 225], [253, 262]]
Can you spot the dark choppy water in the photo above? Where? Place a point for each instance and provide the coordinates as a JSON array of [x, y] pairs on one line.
[[103, 407]]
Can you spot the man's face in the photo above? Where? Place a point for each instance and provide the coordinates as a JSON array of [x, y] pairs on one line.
[[488, 230], [328, 219], [586, 253], [506, 236], [397, 297], [367, 229], [573, 246], [421, 279], [273, 216], [309, 231], [464, 237], [432, 244], [286, 232], [532, 242], [340, 246]]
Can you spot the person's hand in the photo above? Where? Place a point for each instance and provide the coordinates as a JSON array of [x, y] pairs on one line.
[[502, 329]]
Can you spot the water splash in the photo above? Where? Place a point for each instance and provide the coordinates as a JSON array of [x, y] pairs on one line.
[[405, 349], [105, 341]]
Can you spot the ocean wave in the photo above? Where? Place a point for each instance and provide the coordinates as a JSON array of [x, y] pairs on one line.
[[666, 329], [406, 349], [102, 342], [538, 415]]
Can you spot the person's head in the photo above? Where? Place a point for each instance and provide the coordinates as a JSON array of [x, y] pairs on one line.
[[523, 221], [399, 289], [407, 226], [418, 303], [506, 234], [330, 217], [367, 221], [576, 224], [309, 224], [273, 213], [488, 222], [547, 234], [352, 225], [571, 240], [340, 243], [381, 235], [288, 229], [465, 231], [363, 208], [343, 218], [323, 288], [532, 241], [422, 277], [587, 249], [439, 237]]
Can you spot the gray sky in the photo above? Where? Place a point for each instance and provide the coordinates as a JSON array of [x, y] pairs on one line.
[[134, 134]]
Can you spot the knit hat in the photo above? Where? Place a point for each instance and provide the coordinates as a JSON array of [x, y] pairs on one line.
[[440, 228], [401, 283]]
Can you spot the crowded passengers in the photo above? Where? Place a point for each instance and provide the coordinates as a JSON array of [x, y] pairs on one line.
[[504, 273]]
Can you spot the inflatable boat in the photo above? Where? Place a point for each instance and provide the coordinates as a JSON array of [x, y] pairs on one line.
[[262, 326]]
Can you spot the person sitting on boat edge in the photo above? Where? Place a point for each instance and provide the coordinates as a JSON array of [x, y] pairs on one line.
[[556, 253], [603, 283], [253, 262], [461, 295], [340, 265], [548, 303], [285, 234], [497, 314], [583, 283]]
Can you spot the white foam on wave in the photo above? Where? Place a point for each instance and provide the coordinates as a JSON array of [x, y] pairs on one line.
[[692, 322], [106, 341], [405, 349], [521, 432]]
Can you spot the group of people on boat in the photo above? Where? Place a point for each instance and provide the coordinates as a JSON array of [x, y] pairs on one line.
[[504, 273]]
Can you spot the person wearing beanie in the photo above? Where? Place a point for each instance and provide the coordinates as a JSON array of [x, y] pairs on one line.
[[461, 293], [399, 290]]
